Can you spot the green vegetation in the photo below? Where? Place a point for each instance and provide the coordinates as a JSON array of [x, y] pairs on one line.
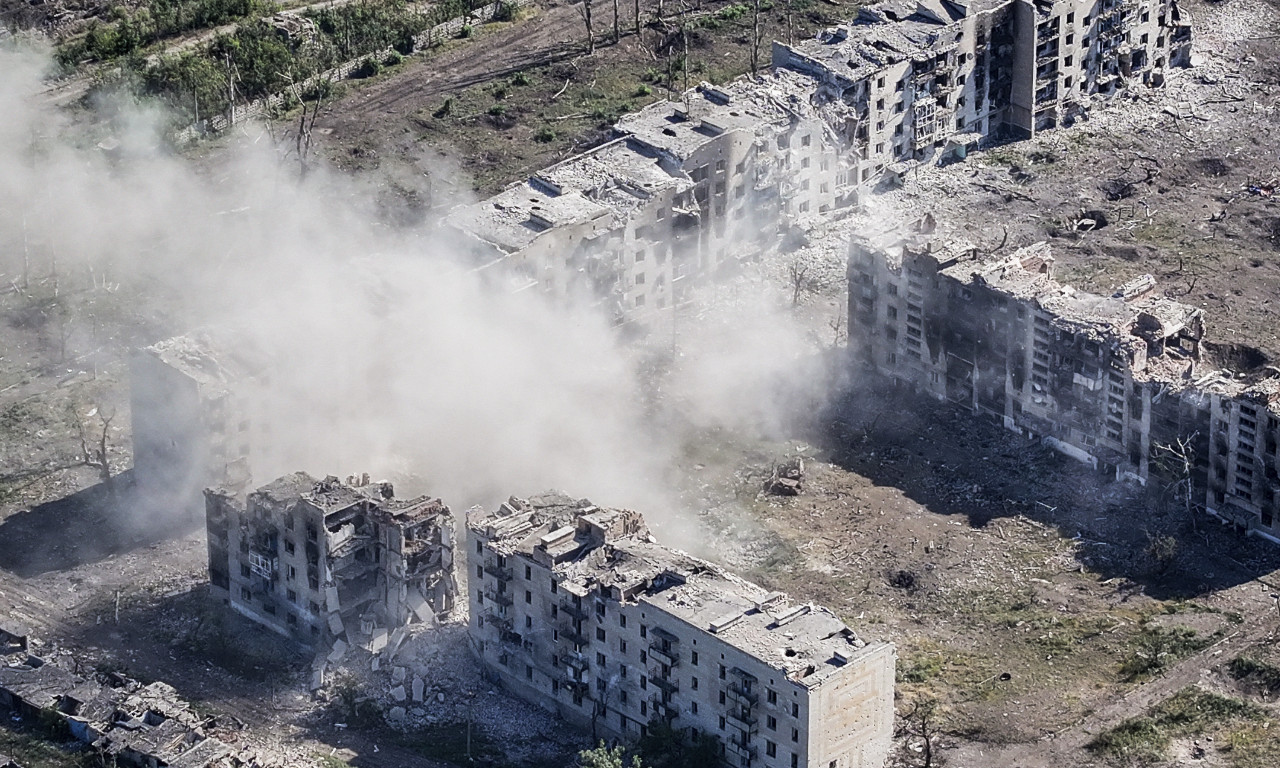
[[607, 757], [256, 59], [1158, 648], [130, 30], [1189, 712], [663, 747], [920, 667]]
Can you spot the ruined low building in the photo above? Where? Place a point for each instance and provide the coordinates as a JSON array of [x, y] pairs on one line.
[[577, 609], [126, 722], [1121, 382], [319, 560]]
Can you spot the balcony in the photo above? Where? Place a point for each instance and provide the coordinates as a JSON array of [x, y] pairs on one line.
[[500, 598], [572, 635], [575, 611], [745, 751], [741, 696], [663, 657], [668, 686], [497, 571], [745, 723], [498, 620], [666, 710]]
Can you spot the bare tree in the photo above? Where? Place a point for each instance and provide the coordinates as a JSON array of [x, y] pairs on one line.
[[93, 449], [755, 37], [1176, 460], [584, 10], [617, 24], [798, 270], [638, 17], [919, 732], [837, 326]]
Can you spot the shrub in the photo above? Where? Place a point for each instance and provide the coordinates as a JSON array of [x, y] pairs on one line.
[[498, 110], [521, 78], [544, 135], [367, 68], [464, 31], [393, 59], [506, 12], [644, 90]]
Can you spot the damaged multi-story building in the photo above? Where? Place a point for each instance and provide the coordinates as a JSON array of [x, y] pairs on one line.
[[191, 428], [323, 560], [576, 608], [679, 192], [932, 79], [689, 187], [1123, 382]]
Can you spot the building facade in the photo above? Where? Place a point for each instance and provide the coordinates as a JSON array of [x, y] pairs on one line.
[[685, 189], [190, 428], [577, 609], [1121, 382], [319, 560]]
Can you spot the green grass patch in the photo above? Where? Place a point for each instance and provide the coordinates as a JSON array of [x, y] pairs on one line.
[[920, 667], [1253, 745], [1189, 712], [1158, 648]]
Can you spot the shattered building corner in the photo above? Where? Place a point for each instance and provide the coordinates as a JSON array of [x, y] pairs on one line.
[[321, 560]]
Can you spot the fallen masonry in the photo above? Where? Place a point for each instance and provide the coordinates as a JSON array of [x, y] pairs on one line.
[[1122, 382], [326, 561], [126, 722], [576, 608]]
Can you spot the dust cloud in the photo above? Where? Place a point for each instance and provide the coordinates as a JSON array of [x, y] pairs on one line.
[[387, 353]]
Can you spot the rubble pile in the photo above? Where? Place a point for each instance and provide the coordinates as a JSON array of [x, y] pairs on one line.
[[431, 679]]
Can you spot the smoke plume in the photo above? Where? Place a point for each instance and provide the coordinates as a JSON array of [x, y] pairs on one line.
[[388, 355]]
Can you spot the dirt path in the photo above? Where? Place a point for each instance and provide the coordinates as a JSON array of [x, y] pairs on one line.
[[545, 34], [1068, 747]]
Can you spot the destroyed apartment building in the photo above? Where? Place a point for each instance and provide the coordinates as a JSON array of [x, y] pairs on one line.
[[577, 609], [191, 428], [124, 721], [1121, 382], [688, 187], [322, 560]]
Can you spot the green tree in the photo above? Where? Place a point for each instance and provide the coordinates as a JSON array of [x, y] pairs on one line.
[[607, 757]]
